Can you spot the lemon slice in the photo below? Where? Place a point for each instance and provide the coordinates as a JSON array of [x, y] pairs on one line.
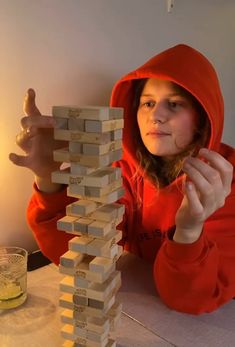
[[10, 292]]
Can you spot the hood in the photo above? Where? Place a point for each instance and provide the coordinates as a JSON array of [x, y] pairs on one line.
[[186, 67]]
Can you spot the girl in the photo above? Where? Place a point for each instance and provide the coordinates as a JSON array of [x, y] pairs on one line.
[[178, 179]]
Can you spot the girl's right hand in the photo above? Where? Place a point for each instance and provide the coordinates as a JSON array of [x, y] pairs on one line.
[[37, 141]]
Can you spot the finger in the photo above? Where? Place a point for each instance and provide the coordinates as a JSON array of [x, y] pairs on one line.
[[208, 172], [196, 176], [219, 163], [19, 160], [37, 122], [194, 202], [29, 105]]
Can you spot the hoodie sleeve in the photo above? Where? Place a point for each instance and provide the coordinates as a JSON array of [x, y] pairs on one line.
[[200, 277], [42, 214]]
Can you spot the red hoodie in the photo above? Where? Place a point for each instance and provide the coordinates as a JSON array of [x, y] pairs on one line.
[[192, 278]]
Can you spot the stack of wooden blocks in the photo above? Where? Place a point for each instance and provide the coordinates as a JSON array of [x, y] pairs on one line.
[[89, 289]]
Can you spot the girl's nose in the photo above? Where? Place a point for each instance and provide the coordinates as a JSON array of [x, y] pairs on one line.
[[159, 114]]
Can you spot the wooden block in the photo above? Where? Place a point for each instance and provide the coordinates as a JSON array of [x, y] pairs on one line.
[[85, 273], [79, 244], [77, 169], [99, 291], [100, 264], [100, 229], [67, 343], [102, 248], [106, 199], [116, 135], [71, 259], [96, 291], [68, 332], [102, 177], [115, 155], [80, 311], [88, 112], [109, 212], [76, 124], [80, 300], [61, 123], [99, 178], [61, 176], [82, 272], [75, 147], [96, 324], [83, 207], [82, 224], [84, 137], [66, 223], [94, 160], [61, 155], [95, 191], [92, 149], [93, 126]]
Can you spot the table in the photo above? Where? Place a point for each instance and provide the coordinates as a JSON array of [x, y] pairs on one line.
[[146, 321]]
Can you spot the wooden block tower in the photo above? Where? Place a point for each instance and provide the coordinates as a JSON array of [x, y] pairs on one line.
[[91, 311]]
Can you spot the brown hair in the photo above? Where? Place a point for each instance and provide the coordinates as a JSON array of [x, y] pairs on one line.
[[162, 172]]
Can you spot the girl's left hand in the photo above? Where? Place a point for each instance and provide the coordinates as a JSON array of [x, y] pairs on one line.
[[207, 185]]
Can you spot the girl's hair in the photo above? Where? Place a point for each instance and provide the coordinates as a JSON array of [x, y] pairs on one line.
[[162, 172]]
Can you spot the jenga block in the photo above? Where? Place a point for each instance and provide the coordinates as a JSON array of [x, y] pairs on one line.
[[80, 312], [101, 248], [95, 191], [100, 229], [100, 264], [92, 149], [82, 273], [68, 343], [71, 259], [75, 147], [68, 332], [80, 300], [82, 224], [61, 176], [79, 244], [61, 155], [94, 160], [88, 112], [83, 207], [116, 135], [109, 212], [78, 169], [66, 223], [106, 199], [102, 177], [84, 137], [93, 126], [81, 282], [96, 324], [61, 123], [76, 124]]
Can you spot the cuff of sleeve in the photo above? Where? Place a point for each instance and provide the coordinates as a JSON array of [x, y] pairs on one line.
[[53, 201], [186, 252]]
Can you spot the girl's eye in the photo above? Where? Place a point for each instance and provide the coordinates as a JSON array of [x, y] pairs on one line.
[[173, 104], [148, 104]]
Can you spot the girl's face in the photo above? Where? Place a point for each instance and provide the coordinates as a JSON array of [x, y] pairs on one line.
[[166, 118]]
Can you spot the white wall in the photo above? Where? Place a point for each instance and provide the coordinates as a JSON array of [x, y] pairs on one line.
[[72, 51]]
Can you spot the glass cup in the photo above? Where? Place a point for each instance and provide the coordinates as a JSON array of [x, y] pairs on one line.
[[13, 277]]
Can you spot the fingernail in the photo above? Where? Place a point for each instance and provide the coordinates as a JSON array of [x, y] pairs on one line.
[[204, 151]]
